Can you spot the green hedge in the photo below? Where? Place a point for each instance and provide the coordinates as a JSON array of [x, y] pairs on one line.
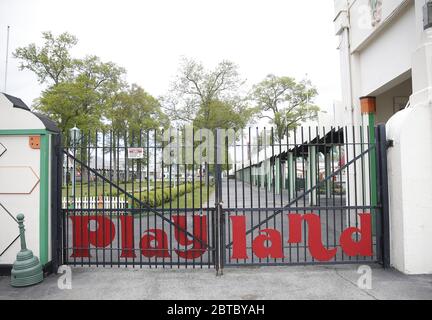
[[166, 195]]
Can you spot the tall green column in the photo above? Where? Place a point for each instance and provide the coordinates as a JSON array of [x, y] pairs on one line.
[[328, 172], [268, 174], [263, 174], [312, 175], [291, 175], [44, 199], [277, 176], [368, 107]]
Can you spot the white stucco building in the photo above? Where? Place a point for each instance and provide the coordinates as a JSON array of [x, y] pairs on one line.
[[378, 39], [386, 63]]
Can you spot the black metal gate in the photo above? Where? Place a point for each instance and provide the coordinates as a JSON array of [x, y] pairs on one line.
[[123, 206], [169, 199], [319, 198]]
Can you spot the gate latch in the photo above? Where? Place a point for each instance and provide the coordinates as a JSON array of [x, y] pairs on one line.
[[390, 144]]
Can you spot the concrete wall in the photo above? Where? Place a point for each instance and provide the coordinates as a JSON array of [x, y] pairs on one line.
[[362, 28], [378, 67], [410, 183], [410, 167], [366, 66], [380, 61], [387, 102]]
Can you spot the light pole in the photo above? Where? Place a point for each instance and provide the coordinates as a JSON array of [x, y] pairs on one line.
[[75, 134], [7, 60]]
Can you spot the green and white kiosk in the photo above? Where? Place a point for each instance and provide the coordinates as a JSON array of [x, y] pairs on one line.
[[30, 180]]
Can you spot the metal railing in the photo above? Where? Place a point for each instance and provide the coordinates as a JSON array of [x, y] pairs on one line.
[[166, 208]]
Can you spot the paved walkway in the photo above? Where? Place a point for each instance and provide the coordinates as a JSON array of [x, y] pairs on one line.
[[313, 282]]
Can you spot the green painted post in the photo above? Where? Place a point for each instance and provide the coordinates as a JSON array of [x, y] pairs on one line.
[[373, 169], [277, 181], [312, 175], [368, 108], [269, 175], [373, 163], [44, 197], [328, 173], [291, 175]]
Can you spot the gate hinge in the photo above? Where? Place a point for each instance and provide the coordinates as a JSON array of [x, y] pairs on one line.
[[59, 151], [389, 144]]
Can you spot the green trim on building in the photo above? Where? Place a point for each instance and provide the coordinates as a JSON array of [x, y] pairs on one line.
[[373, 171], [44, 196], [24, 132], [373, 162]]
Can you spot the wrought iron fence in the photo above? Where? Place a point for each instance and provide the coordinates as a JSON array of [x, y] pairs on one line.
[[223, 198]]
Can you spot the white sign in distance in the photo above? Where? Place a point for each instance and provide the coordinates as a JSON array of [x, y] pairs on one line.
[[136, 153]]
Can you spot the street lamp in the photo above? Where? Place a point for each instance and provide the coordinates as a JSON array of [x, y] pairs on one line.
[[75, 135]]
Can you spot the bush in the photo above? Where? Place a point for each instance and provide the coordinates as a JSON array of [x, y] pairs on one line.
[[158, 197]]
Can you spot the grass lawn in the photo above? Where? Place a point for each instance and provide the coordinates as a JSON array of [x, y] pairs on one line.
[[185, 201], [199, 196]]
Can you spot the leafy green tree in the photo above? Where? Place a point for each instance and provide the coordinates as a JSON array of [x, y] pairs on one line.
[[196, 94], [285, 102], [134, 109], [224, 114], [70, 103], [208, 99], [78, 91], [87, 92], [84, 99], [52, 62]]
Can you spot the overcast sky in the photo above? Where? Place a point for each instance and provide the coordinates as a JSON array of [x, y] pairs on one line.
[[148, 38]]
